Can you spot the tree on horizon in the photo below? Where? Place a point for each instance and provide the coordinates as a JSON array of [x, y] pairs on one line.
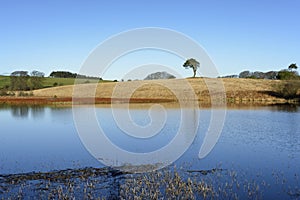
[[293, 66], [192, 63], [36, 80]]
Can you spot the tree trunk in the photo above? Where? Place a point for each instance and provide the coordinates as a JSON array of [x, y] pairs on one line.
[[194, 72]]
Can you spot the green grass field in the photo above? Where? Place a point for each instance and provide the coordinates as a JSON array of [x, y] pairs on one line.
[[4, 81], [50, 82]]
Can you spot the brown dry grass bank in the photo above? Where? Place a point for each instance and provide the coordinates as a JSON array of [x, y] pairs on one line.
[[238, 91]]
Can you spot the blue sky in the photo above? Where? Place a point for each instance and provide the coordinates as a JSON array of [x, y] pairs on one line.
[[237, 35]]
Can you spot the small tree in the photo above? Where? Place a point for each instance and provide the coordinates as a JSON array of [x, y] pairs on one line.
[[192, 63], [289, 90], [245, 74], [293, 67], [36, 73], [18, 80], [271, 75], [287, 75], [36, 79]]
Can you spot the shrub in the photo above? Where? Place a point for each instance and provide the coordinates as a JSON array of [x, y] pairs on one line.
[[3, 93], [287, 75], [25, 94], [21, 94], [289, 90]]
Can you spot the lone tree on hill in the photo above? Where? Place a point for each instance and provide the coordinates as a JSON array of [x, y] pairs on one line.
[[293, 67], [192, 63]]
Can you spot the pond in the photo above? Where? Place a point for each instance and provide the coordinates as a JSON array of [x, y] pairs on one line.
[[256, 156]]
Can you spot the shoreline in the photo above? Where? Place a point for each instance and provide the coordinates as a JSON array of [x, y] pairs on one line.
[[76, 101], [108, 101]]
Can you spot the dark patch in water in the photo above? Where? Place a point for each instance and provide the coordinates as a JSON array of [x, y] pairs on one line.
[[206, 172]]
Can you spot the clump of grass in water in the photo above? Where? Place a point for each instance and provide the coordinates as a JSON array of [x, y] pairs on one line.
[[106, 183], [164, 184]]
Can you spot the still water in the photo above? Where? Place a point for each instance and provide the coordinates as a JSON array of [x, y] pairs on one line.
[[259, 146]]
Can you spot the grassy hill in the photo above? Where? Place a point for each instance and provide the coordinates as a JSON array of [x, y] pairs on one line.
[[237, 90], [4, 81], [246, 91], [50, 82]]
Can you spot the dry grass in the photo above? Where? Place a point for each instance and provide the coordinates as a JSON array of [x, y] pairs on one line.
[[237, 90]]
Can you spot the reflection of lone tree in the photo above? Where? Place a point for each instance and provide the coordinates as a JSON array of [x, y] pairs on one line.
[[192, 63]]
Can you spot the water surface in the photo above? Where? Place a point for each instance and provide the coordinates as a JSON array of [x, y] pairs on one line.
[[261, 145]]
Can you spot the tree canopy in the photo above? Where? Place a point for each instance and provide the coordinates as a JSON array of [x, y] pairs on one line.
[[36, 73], [285, 74], [62, 74], [192, 63], [20, 73], [293, 67], [21, 80], [66, 74]]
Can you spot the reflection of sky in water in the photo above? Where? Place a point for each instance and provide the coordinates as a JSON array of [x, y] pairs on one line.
[[45, 138], [45, 143], [141, 118]]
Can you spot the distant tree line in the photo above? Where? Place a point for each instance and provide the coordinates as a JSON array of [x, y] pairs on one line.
[[22, 80], [62, 74], [66, 74], [285, 74], [229, 76], [159, 75], [273, 75]]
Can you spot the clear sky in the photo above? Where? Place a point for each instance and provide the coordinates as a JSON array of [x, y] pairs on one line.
[[52, 35]]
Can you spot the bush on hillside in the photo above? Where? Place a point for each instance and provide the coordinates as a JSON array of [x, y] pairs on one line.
[[289, 90], [287, 75]]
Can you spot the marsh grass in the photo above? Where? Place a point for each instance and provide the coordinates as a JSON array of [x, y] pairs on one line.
[[168, 183]]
